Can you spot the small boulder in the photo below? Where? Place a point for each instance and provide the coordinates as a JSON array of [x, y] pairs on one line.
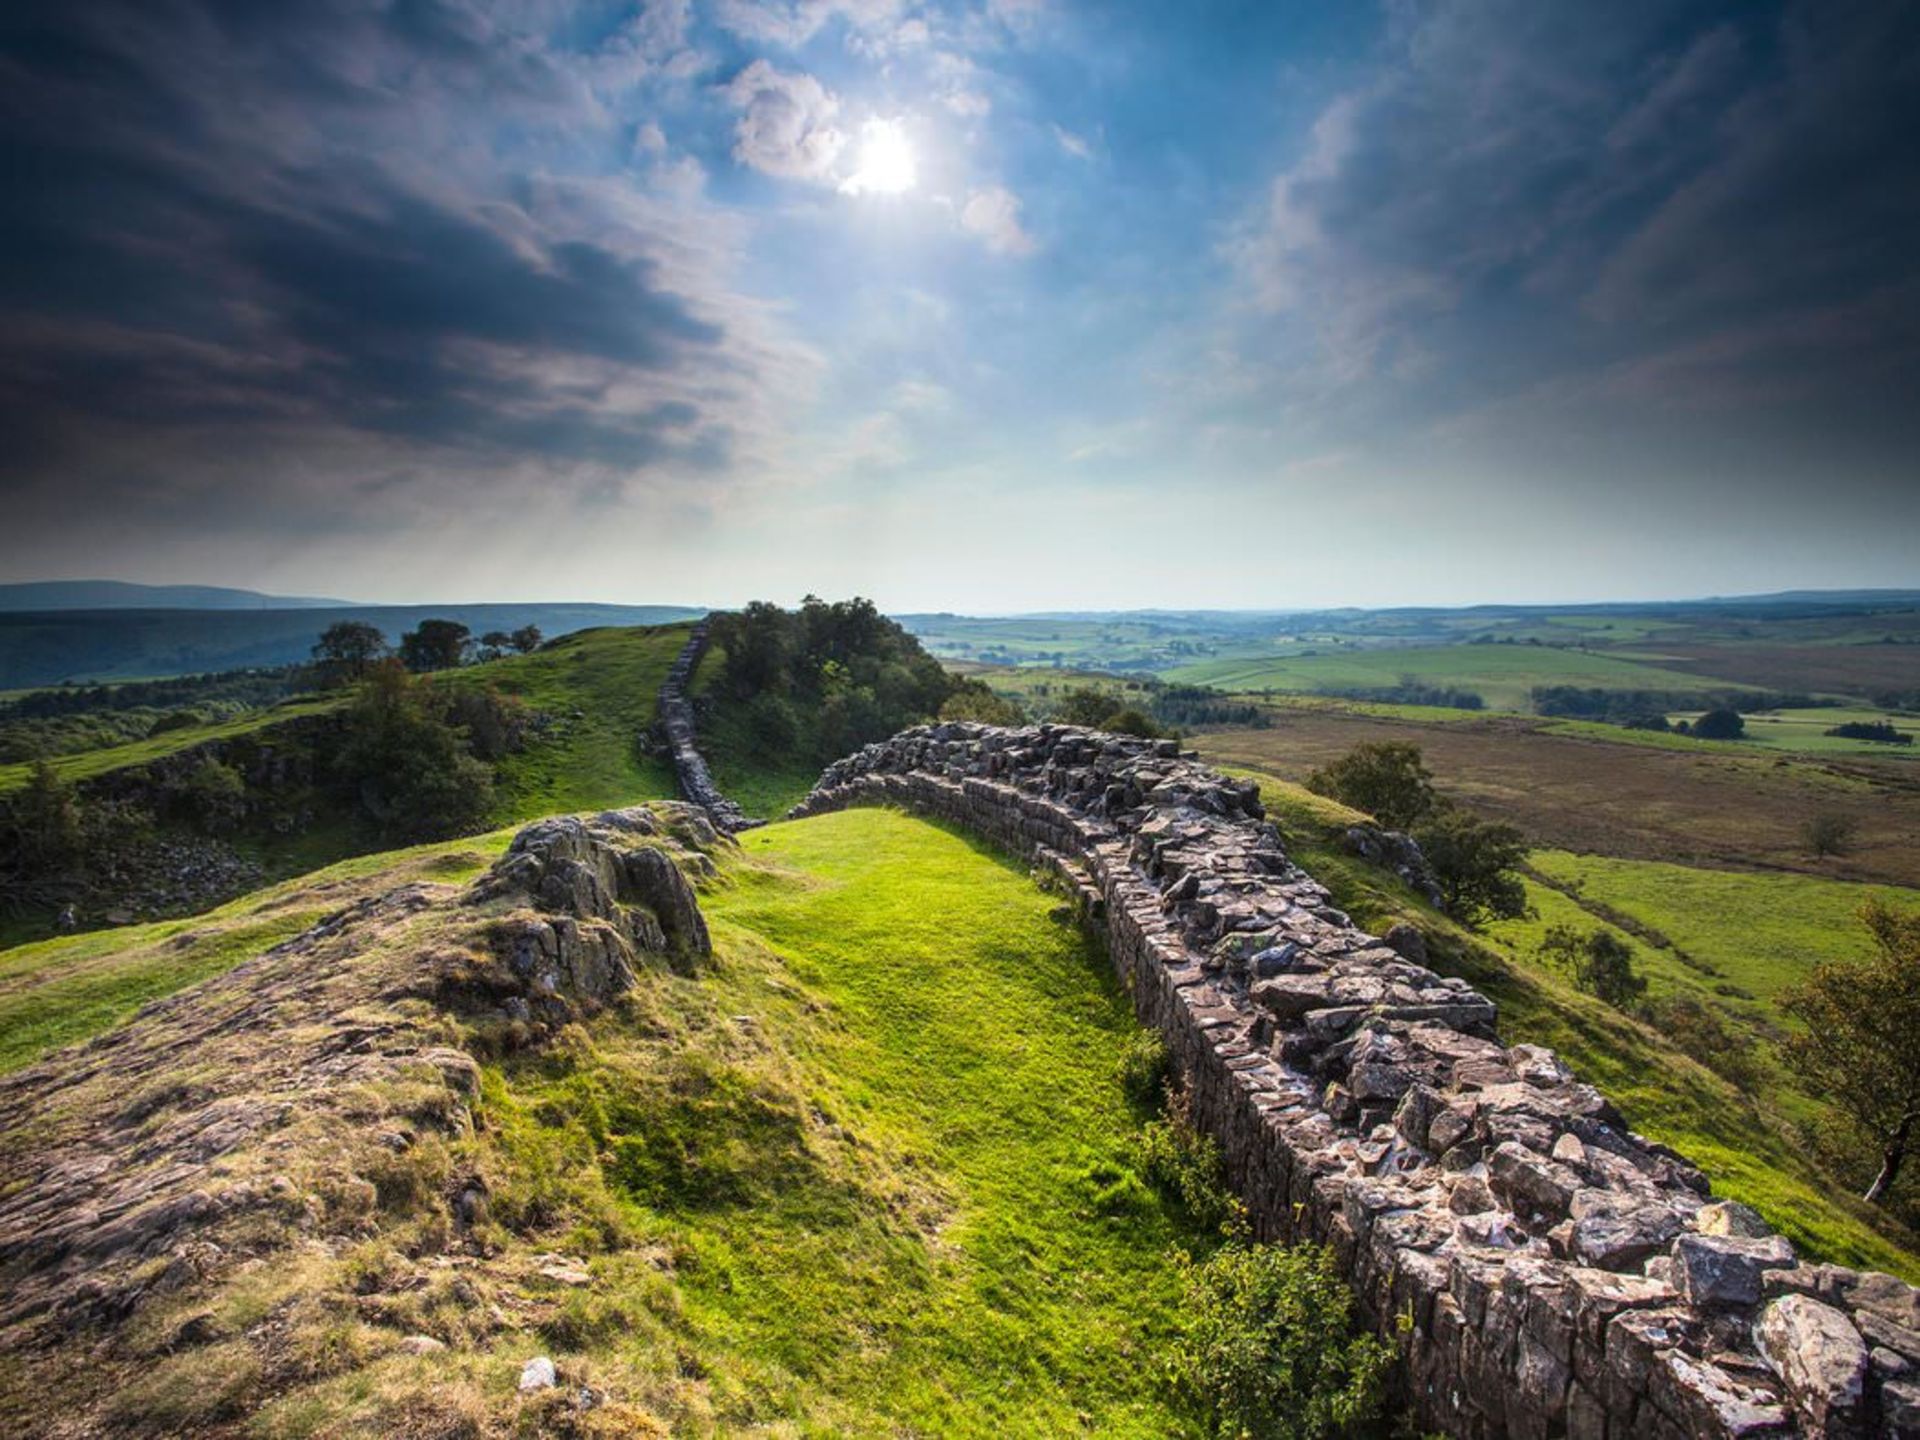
[[1723, 1272], [1820, 1358], [1730, 1217], [537, 1374], [423, 1345]]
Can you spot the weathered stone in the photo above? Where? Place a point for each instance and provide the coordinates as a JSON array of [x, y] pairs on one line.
[[1730, 1217], [1713, 1271], [1537, 1188], [1820, 1357], [537, 1374]]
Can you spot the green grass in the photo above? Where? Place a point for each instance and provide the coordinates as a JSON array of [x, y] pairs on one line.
[[89, 764], [602, 689], [1758, 932], [1748, 1147], [62, 991], [879, 1140], [1503, 675]]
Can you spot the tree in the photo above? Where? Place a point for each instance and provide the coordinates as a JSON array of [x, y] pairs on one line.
[[436, 645], [1385, 778], [1861, 1045], [1085, 705], [1829, 834], [494, 644], [526, 639], [346, 648], [1473, 862], [407, 768], [1600, 962], [1720, 724]]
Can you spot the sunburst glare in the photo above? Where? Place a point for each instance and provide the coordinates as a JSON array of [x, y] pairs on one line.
[[886, 165]]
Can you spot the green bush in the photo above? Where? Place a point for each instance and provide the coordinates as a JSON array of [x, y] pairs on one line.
[[1599, 963], [1387, 779], [1270, 1351], [1186, 1167], [1474, 861], [1145, 1070]]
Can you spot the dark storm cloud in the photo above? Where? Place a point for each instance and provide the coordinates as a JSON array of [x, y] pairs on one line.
[[232, 213], [1689, 205]]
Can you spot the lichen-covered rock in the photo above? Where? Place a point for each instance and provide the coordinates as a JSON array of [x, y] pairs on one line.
[[1723, 1271]]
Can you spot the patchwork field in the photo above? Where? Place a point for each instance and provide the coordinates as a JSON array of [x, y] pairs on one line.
[[1715, 805]]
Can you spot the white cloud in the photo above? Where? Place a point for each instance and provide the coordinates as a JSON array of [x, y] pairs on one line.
[[994, 215], [786, 124], [1075, 145], [791, 23]]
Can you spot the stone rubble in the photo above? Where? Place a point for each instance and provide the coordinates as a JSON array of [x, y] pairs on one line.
[[1544, 1269], [676, 722]]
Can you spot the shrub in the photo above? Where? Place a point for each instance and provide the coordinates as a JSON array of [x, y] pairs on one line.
[[1384, 778], [1269, 1350], [1186, 1167], [1145, 1071], [1720, 724], [1697, 1031], [1829, 834], [1600, 962], [215, 795], [1473, 862]]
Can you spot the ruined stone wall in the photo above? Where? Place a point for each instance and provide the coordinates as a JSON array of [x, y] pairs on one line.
[[676, 721], [1544, 1270]]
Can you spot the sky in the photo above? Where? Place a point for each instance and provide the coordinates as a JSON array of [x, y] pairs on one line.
[[986, 306]]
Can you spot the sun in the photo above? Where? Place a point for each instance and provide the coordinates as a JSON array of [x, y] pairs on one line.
[[886, 165]]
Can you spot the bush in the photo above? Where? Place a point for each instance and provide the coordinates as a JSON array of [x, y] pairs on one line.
[[1721, 724], [1829, 834], [1697, 1031], [1600, 963], [215, 795], [1269, 1350], [1473, 862], [1881, 731], [1387, 779], [1145, 1071], [406, 767], [1186, 1168]]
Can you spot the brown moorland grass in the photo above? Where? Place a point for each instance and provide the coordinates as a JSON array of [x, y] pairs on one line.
[[1864, 669], [1639, 802]]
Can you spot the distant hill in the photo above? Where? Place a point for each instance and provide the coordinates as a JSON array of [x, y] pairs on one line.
[[46, 647], [121, 595]]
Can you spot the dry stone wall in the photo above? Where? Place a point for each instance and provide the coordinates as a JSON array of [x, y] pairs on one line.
[[689, 766], [1545, 1270]]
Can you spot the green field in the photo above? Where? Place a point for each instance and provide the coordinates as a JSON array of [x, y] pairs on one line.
[[1502, 675]]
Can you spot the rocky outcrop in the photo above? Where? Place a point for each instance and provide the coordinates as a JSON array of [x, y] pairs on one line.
[[676, 722], [263, 1111], [1544, 1269]]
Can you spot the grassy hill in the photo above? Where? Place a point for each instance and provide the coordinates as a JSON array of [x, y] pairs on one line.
[[861, 1174]]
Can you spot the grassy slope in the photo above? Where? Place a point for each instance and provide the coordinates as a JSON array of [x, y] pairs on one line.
[[87, 764], [603, 687], [59, 992], [855, 1177], [1749, 1151], [966, 1045]]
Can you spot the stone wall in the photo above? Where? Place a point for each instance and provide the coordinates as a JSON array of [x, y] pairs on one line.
[[1544, 1270], [676, 721]]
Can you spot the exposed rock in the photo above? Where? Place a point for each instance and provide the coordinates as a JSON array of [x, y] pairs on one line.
[[1730, 1217], [1719, 1272], [1821, 1357], [537, 1374]]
